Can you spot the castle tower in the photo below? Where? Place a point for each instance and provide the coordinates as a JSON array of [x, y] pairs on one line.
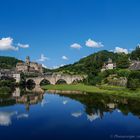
[[109, 60], [27, 60]]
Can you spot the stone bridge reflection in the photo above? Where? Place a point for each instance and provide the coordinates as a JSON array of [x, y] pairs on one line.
[[28, 97], [94, 104]]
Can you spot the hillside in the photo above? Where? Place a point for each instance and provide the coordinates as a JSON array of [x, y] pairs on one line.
[[7, 62], [94, 62]]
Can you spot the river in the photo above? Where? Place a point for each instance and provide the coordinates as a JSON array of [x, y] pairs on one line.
[[65, 116]]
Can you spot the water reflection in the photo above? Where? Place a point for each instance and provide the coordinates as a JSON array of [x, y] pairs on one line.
[[44, 101], [23, 115], [82, 116], [77, 114], [94, 105], [93, 117], [23, 96], [5, 118], [65, 102]]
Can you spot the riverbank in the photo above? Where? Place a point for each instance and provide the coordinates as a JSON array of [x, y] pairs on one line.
[[112, 90]]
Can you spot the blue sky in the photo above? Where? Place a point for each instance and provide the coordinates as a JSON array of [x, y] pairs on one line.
[[63, 31]]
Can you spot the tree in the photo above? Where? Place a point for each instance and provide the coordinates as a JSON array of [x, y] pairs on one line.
[[135, 55], [134, 80], [122, 61]]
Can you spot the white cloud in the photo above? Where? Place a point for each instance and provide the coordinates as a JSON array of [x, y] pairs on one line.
[[62, 65], [43, 58], [120, 50], [64, 57], [55, 67], [23, 45], [84, 56], [76, 114], [131, 49], [44, 66], [93, 44], [5, 118], [111, 50], [76, 46], [138, 45], [7, 44]]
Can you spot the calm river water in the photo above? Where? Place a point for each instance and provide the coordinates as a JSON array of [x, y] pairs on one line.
[[68, 116]]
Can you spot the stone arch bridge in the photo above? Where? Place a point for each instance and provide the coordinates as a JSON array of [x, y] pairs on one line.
[[54, 78]]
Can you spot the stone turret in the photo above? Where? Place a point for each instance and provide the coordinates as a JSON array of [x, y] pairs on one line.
[[27, 60], [109, 60], [29, 67]]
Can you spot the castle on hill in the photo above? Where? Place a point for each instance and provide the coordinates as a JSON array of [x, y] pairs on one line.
[[109, 65], [29, 67]]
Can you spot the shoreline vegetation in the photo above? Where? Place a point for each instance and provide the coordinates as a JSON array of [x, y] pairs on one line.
[[104, 89]]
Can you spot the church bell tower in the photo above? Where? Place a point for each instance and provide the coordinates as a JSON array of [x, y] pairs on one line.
[[27, 60]]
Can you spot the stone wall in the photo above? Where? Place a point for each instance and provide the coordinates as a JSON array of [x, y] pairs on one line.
[[117, 81]]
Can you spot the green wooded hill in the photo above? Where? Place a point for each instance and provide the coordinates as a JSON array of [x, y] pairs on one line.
[[7, 62], [90, 64], [94, 62]]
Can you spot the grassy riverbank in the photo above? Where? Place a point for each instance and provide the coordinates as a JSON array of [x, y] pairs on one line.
[[112, 90]]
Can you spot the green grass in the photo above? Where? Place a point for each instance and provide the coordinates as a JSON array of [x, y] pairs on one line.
[[112, 90]]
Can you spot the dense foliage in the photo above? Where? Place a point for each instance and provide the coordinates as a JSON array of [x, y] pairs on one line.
[[8, 62], [6, 87], [135, 55], [134, 80]]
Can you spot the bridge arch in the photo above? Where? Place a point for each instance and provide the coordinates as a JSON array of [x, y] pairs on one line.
[[44, 82], [61, 81], [30, 82]]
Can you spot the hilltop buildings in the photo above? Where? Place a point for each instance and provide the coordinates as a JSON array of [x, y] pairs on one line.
[[109, 65], [29, 67]]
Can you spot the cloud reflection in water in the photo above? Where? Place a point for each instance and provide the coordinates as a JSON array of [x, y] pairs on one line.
[[77, 114], [5, 118]]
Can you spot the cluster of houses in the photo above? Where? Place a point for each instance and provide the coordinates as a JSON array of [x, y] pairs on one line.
[[29, 67], [135, 65], [108, 65], [25, 67]]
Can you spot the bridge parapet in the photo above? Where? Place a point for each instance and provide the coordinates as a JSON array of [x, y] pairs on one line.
[[55, 77]]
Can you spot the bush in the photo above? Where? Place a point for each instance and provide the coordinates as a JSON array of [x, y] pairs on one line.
[[134, 80], [5, 92], [93, 79], [123, 73], [7, 83]]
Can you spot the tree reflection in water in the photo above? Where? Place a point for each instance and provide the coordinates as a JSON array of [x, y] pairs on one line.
[[95, 105]]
